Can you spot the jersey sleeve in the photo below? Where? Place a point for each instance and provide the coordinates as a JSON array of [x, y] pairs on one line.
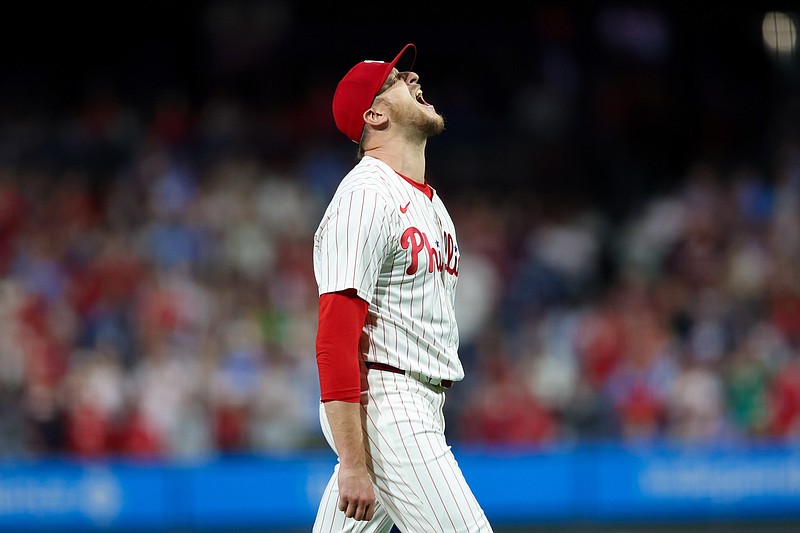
[[351, 243]]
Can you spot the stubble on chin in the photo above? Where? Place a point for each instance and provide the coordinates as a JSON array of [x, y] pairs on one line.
[[436, 125], [428, 124]]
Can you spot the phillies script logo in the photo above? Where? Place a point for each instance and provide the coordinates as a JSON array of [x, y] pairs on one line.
[[418, 243]]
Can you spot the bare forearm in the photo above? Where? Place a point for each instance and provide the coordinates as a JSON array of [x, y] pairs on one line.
[[356, 495], [344, 419]]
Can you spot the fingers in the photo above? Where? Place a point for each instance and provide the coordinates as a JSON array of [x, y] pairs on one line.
[[356, 494], [357, 510]]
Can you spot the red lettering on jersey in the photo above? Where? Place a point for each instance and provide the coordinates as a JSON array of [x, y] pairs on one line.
[[413, 238], [415, 241], [452, 258]]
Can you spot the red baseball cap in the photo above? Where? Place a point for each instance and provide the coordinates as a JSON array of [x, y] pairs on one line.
[[357, 90]]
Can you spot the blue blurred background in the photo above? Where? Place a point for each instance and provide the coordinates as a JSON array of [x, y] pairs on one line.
[[625, 181]]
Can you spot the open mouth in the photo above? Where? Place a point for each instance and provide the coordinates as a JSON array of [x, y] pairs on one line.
[[420, 99]]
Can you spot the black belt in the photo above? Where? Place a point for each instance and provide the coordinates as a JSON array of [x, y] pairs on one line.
[[446, 383]]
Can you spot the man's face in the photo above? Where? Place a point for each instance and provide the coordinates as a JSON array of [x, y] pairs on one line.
[[402, 95]]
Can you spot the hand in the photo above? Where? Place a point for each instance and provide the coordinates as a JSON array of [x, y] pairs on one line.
[[356, 495]]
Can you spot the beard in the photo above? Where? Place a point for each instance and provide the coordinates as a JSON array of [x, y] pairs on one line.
[[432, 124], [428, 124]]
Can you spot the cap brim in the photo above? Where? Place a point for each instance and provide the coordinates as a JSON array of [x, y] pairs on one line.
[[401, 54]]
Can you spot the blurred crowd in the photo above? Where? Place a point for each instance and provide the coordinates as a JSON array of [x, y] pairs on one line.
[[157, 297], [165, 307], [693, 339], [174, 314]]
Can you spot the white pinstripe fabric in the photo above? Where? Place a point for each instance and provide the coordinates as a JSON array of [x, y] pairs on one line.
[[385, 238], [418, 483], [360, 244]]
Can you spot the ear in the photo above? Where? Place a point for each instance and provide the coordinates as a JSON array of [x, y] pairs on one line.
[[375, 118]]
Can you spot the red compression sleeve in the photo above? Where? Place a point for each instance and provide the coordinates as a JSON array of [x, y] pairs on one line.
[[341, 320]]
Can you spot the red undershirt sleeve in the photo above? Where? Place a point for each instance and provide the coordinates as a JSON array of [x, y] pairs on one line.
[[340, 322]]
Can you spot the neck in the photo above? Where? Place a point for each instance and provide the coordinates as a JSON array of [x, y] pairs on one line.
[[404, 159]]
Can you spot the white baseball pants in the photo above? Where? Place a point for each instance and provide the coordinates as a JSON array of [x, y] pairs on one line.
[[418, 483]]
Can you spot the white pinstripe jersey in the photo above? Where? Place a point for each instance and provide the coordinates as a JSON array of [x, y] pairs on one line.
[[384, 238]]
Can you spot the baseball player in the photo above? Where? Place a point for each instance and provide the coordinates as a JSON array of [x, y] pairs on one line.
[[386, 260]]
